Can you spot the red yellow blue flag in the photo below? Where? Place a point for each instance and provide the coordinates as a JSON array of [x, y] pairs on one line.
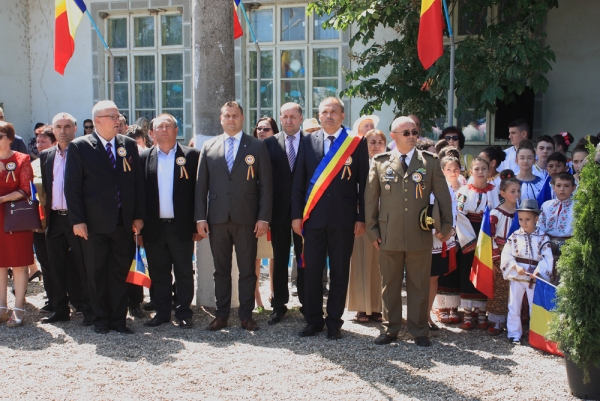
[[431, 27], [238, 32], [138, 272], [34, 196], [68, 14], [544, 301], [482, 269]]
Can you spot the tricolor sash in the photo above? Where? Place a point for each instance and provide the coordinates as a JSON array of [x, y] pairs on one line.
[[328, 168]]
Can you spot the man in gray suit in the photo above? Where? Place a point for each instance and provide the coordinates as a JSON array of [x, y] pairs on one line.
[[234, 199]]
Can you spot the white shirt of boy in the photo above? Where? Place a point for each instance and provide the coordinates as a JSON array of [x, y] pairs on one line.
[[534, 247], [556, 218]]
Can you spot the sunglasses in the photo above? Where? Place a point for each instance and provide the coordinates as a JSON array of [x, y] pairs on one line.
[[266, 129], [451, 138], [88, 126], [409, 133]]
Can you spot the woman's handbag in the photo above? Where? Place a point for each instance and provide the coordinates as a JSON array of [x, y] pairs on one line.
[[22, 215]]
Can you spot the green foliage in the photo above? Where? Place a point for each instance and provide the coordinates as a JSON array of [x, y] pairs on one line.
[[577, 326], [497, 61]]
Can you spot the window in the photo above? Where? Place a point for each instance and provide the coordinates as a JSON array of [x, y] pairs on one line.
[[149, 66], [300, 61]]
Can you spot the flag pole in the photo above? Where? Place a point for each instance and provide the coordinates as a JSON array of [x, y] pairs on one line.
[[541, 279], [258, 59], [451, 90], [111, 69]]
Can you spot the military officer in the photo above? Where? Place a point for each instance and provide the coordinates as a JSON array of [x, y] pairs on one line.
[[399, 185]]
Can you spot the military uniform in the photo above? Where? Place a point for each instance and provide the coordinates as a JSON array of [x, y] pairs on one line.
[[394, 199]]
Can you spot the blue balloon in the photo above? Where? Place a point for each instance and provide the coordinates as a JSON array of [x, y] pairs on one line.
[[288, 74], [301, 70], [263, 89], [176, 88]]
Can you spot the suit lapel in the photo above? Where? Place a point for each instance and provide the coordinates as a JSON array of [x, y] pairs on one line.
[[415, 162], [119, 159], [242, 150], [97, 144], [319, 143], [50, 173], [153, 168], [396, 165], [221, 151]]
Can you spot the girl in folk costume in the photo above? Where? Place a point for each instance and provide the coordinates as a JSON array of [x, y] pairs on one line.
[[531, 184], [501, 222], [472, 200], [527, 252], [446, 266], [494, 155]]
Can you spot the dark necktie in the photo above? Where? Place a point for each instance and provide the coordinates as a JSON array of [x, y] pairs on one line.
[[291, 154], [111, 156], [404, 165], [331, 139]]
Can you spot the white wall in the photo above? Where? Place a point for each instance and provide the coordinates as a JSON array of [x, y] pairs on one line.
[[15, 79]]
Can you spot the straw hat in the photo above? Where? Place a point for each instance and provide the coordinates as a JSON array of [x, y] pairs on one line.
[[358, 122], [310, 123]]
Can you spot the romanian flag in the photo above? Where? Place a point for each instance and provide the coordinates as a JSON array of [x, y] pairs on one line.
[[431, 27], [482, 270], [237, 27], [514, 226], [544, 297], [545, 193], [138, 272], [68, 14], [34, 196]]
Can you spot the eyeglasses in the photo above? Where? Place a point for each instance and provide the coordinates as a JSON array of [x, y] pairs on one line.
[[88, 126], [114, 118], [266, 129], [451, 138], [409, 133]]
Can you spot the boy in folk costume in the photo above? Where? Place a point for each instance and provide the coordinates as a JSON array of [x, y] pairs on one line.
[[526, 253], [556, 218]]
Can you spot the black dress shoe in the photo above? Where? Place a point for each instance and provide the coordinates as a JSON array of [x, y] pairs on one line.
[[56, 317], [88, 320], [334, 334], [310, 330], [154, 322], [123, 330], [433, 327], [149, 306], [276, 316], [136, 312], [47, 308], [101, 330], [384, 339], [423, 341], [186, 323]]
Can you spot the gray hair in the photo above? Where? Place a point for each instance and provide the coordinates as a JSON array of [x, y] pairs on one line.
[[295, 105], [328, 99], [402, 120], [66, 116], [101, 106]]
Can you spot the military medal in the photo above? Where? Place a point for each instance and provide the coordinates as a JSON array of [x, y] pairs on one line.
[[122, 152], [181, 163], [250, 161], [417, 178], [347, 168], [389, 171], [11, 167]]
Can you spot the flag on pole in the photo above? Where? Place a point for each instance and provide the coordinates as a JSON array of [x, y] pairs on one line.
[[237, 27], [482, 269], [545, 193], [34, 196], [514, 226], [544, 297], [431, 27], [138, 272], [68, 14]]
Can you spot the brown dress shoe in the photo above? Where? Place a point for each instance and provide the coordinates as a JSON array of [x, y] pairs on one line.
[[249, 325], [217, 324]]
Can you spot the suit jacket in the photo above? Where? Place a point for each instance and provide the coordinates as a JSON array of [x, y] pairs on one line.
[[183, 193], [342, 203], [93, 187], [392, 206], [18, 145], [221, 194], [283, 177]]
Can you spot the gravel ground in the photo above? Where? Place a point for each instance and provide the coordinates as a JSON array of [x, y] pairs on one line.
[[68, 361]]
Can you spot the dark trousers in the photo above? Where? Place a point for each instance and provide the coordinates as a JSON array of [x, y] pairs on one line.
[[223, 237], [281, 239], [318, 243], [135, 295], [107, 261], [67, 268], [166, 253], [41, 253]]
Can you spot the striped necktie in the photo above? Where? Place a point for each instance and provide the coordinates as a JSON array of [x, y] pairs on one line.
[[229, 158], [111, 156], [291, 153]]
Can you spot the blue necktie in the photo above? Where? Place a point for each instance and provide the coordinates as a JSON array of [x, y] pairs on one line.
[[291, 154], [229, 158], [111, 156]]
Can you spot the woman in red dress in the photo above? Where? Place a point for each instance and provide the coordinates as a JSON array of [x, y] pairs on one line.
[[17, 247]]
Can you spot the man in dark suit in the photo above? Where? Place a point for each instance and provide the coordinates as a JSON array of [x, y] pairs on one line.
[[333, 223], [283, 150], [64, 247], [104, 187], [234, 198], [169, 229]]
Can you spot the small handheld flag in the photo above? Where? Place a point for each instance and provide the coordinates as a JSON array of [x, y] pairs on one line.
[[514, 226], [34, 196], [544, 303], [545, 193], [482, 269], [138, 272]]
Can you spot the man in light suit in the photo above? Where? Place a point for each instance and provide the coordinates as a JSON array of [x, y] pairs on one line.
[[393, 204], [283, 150], [234, 199], [169, 230], [104, 188]]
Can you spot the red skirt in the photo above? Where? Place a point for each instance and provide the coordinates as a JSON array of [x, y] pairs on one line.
[[16, 249]]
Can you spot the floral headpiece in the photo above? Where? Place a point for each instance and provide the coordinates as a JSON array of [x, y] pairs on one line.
[[565, 136]]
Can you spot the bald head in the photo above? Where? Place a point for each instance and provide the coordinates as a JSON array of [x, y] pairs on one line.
[[402, 120]]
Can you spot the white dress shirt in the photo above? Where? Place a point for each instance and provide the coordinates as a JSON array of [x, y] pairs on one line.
[[511, 161], [165, 173], [295, 142], [409, 156], [112, 142], [326, 140], [236, 143]]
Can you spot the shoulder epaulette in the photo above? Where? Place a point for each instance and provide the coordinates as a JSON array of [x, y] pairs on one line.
[[435, 156], [386, 154]]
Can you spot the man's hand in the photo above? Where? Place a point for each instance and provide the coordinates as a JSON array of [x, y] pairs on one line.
[[447, 237], [359, 229], [520, 270], [260, 228], [137, 226], [196, 237], [376, 243], [80, 230], [202, 228], [140, 240], [297, 226]]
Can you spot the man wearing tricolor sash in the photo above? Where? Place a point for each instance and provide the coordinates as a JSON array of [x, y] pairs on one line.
[[398, 189], [328, 210]]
